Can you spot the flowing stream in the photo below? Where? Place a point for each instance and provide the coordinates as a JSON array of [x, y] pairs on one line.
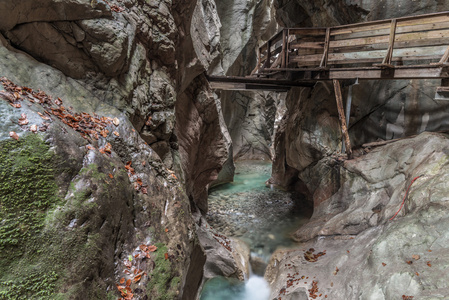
[[261, 216]]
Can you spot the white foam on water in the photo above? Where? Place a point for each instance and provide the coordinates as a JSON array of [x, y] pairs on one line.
[[256, 288]]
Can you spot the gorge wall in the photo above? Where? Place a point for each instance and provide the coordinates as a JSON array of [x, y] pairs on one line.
[[118, 139], [351, 248]]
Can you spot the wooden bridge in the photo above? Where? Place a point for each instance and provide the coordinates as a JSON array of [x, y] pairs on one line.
[[414, 47]]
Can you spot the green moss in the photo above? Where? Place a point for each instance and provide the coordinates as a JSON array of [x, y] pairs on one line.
[[163, 284], [27, 191]]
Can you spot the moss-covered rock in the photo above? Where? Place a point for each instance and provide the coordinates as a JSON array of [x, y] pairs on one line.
[[27, 192], [163, 284], [54, 247]]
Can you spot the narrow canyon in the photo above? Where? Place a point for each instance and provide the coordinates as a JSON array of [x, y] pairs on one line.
[[126, 175]]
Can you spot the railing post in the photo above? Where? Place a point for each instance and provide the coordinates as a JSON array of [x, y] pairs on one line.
[[341, 115], [268, 62], [284, 48], [387, 59]]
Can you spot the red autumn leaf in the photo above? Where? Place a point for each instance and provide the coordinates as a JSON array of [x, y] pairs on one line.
[[143, 247], [122, 280], [116, 133], [137, 278], [14, 135], [409, 262], [23, 119], [384, 264], [110, 175], [166, 256], [429, 264], [152, 248], [166, 229], [128, 282], [139, 181]]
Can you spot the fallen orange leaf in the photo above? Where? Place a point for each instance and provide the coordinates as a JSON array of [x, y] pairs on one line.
[[16, 105], [137, 278], [23, 119], [128, 282], [166, 256], [122, 280], [152, 248], [166, 229], [116, 133], [111, 176], [14, 135]]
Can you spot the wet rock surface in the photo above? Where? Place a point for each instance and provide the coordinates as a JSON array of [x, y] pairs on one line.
[[378, 257]]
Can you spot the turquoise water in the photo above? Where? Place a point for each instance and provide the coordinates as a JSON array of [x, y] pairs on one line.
[[220, 288], [261, 216]]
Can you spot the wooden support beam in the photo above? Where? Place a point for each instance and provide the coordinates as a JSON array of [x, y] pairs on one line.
[[323, 63], [341, 115], [387, 59], [284, 48], [445, 58], [268, 62]]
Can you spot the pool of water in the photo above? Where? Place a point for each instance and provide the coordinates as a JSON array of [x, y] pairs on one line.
[[263, 217]]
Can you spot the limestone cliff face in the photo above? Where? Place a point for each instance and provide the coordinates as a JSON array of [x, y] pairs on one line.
[[249, 116], [114, 189]]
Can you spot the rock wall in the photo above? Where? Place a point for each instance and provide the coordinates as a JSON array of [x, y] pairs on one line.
[[118, 164], [249, 116], [355, 251]]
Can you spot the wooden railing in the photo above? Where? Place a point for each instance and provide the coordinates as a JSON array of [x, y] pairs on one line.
[[407, 41]]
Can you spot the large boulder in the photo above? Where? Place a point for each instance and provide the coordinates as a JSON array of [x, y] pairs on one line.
[[362, 246]]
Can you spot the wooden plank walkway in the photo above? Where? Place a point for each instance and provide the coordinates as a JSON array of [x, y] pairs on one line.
[[414, 47]]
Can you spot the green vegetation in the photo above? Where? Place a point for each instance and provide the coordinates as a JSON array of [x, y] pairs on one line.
[[163, 284], [27, 191]]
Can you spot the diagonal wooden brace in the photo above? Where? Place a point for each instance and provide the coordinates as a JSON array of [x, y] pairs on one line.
[[445, 58], [341, 115], [387, 59]]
